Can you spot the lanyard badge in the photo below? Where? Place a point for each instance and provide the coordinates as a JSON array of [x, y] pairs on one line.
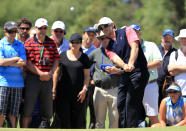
[[41, 54]]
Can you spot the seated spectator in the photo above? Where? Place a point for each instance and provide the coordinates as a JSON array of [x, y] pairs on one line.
[[172, 108]]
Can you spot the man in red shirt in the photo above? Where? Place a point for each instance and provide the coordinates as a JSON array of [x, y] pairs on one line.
[[43, 58]]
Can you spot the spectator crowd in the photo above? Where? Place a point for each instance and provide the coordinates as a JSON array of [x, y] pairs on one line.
[[112, 71]]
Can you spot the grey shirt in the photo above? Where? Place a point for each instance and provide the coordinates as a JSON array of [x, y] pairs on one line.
[[105, 80]]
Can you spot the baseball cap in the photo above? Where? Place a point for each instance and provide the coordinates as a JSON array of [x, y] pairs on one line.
[[168, 32], [41, 22], [135, 26], [10, 25], [58, 24], [76, 38], [90, 29], [104, 21], [173, 87]]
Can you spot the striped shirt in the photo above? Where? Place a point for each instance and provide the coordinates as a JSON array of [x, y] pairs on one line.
[[42, 55]]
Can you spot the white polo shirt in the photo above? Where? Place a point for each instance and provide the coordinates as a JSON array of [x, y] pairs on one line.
[[181, 78]]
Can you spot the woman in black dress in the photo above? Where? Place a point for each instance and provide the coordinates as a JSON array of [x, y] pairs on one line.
[[72, 85]]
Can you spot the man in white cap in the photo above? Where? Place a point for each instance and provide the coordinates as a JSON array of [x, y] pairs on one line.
[[43, 59], [126, 44], [58, 31], [177, 62]]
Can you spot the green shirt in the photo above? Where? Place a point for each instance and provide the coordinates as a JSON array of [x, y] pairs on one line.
[[152, 53]]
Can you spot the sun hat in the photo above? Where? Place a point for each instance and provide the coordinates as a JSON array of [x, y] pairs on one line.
[[181, 35], [173, 87]]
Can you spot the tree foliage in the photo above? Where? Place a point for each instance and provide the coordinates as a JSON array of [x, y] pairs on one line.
[[152, 15]]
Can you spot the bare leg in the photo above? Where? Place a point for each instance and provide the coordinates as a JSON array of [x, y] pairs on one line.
[[1, 120], [26, 121], [13, 121], [153, 120]]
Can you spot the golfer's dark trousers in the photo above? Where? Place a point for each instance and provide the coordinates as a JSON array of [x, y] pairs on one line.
[[130, 96]]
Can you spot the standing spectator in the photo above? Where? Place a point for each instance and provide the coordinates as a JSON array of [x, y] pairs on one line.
[[125, 43], [172, 108], [24, 26], [154, 58], [58, 31], [166, 48], [43, 58], [177, 62], [106, 86], [73, 85], [89, 36], [12, 59], [88, 39]]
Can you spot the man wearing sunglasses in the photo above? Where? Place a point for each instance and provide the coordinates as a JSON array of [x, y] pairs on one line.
[[125, 43], [58, 31], [12, 59], [24, 26], [43, 59]]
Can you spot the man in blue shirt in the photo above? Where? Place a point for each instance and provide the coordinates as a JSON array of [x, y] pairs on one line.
[[12, 59], [89, 36]]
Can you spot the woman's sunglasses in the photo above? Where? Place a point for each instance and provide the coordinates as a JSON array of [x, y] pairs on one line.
[[172, 92]]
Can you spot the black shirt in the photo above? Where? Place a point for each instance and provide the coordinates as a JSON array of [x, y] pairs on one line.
[[72, 78]]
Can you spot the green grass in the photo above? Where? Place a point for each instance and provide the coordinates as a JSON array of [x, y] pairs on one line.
[[88, 119], [183, 128], [124, 129]]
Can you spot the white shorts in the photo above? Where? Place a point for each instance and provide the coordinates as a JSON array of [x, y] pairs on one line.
[[150, 99]]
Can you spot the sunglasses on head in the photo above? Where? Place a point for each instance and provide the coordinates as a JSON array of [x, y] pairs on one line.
[[101, 27], [42, 28], [58, 31], [76, 42], [23, 28], [172, 92], [11, 31]]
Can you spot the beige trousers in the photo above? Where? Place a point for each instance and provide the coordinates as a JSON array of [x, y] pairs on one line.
[[103, 100]]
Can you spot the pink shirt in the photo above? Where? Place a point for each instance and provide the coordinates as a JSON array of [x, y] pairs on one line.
[[131, 37]]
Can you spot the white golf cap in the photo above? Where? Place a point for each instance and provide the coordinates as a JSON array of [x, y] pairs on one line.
[[58, 24], [41, 22], [104, 20]]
